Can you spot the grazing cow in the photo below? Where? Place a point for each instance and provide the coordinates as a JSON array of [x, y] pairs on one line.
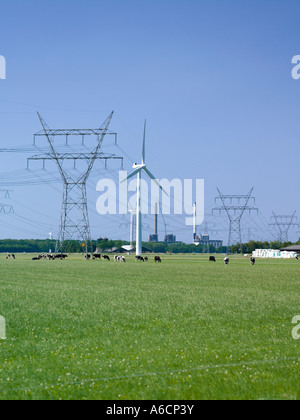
[[106, 257], [60, 256], [122, 259], [157, 259], [253, 261], [116, 258], [8, 256], [213, 259], [146, 259], [97, 256], [226, 261], [40, 257], [139, 258]]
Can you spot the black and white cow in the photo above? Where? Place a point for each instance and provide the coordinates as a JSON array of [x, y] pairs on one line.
[[226, 261]]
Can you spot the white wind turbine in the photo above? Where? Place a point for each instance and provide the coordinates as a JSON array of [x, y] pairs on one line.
[[138, 171]]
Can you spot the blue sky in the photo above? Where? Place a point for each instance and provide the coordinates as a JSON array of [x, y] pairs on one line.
[[212, 77]]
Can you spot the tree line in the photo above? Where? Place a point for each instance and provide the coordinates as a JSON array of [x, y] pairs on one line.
[[105, 245]]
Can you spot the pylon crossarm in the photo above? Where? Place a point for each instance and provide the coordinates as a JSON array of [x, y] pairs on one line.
[[96, 151], [45, 128]]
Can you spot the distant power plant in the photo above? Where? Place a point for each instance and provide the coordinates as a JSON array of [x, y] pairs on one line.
[[203, 239], [170, 239], [154, 237], [207, 242]]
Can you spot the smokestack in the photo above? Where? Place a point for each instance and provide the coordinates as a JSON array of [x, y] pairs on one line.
[[155, 221], [194, 221], [154, 237]]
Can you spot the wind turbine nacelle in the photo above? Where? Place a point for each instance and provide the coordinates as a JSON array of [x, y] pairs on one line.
[[136, 166]]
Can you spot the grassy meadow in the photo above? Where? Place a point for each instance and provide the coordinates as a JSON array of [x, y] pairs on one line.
[[183, 329]]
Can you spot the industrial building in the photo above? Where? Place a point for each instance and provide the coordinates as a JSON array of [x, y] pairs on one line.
[[203, 239], [206, 241], [153, 238], [170, 239]]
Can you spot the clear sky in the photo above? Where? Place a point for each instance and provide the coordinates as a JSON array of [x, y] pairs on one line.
[[212, 77]]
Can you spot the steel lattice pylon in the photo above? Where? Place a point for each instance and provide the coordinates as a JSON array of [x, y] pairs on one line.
[[235, 207], [5, 208], [284, 223], [74, 223]]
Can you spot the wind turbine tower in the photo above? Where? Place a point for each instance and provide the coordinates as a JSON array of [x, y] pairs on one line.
[[138, 169]]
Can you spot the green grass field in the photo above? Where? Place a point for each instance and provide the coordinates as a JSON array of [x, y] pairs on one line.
[[183, 329]]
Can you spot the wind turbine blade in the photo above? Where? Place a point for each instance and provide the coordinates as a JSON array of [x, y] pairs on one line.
[[131, 175], [155, 180], [144, 144]]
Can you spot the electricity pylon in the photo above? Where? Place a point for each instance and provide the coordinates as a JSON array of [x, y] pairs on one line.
[[235, 207], [284, 223], [74, 224], [6, 208]]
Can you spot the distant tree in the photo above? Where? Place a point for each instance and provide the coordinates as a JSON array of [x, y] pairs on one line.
[[276, 245], [286, 244]]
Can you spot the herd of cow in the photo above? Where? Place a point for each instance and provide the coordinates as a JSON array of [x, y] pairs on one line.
[[50, 257], [64, 256], [121, 259], [226, 260]]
